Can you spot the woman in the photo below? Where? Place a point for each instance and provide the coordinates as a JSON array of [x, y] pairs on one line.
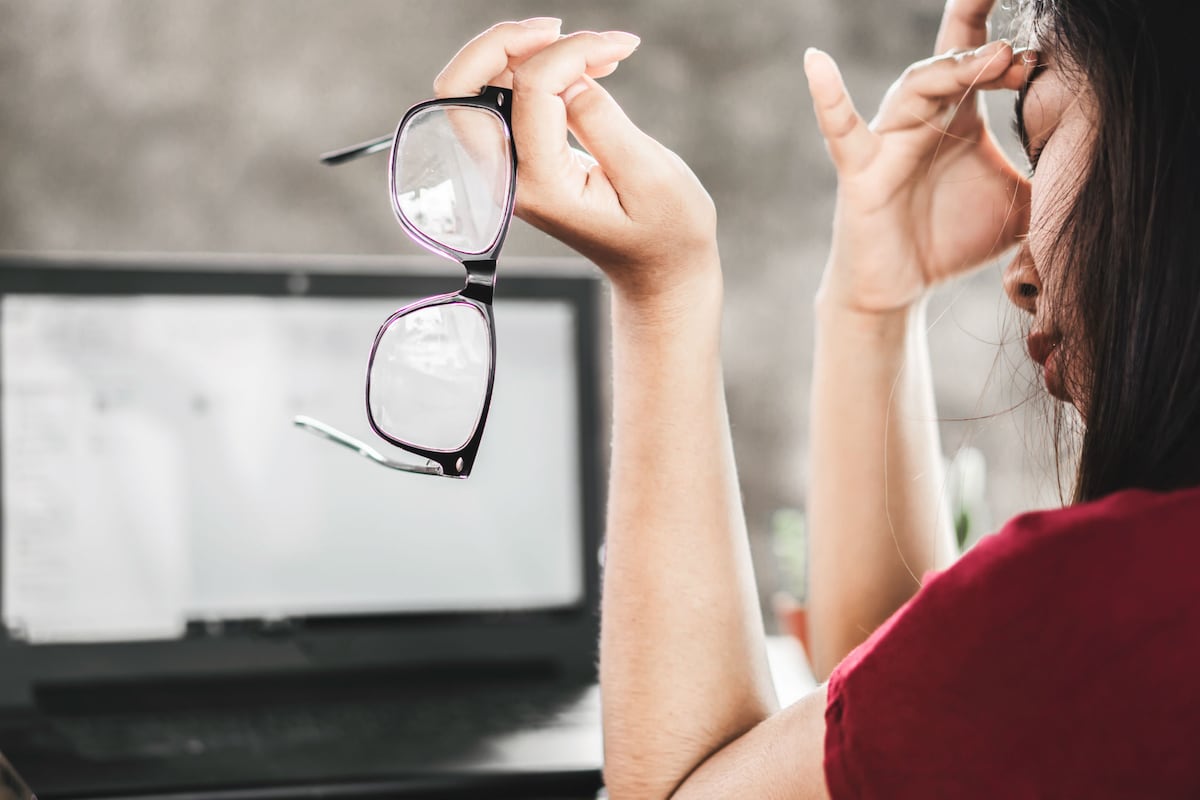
[[1056, 658]]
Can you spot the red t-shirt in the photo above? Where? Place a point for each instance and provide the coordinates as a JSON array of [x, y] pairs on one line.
[[1058, 658]]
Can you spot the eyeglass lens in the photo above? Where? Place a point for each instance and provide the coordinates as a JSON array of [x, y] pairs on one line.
[[452, 176], [429, 377]]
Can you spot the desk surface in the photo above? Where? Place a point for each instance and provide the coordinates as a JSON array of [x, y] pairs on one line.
[[792, 675]]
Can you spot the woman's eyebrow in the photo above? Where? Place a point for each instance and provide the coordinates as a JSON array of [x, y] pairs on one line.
[[1019, 109]]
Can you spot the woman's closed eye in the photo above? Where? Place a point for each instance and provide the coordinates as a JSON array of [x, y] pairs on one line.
[[1031, 146], [1021, 125], [1034, 154]]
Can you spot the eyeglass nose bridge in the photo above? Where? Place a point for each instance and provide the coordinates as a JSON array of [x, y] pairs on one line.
[[481, 280]]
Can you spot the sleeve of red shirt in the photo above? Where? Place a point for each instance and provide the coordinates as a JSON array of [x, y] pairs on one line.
[[1018, 672]]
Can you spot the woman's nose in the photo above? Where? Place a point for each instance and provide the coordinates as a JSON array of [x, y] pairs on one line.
[[1021, 281]]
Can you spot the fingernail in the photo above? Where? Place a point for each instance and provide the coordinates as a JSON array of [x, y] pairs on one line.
[[819, 65], [543, 23], [574, 90], [621, 37]]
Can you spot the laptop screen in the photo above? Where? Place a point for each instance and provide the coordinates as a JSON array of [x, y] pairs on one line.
[[153, 481]]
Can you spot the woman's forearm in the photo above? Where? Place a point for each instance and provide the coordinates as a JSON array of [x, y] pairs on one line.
[[876, 515], [925, 194], [682, 656]]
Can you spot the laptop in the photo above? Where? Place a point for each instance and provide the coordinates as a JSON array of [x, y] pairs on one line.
[[200, 600]]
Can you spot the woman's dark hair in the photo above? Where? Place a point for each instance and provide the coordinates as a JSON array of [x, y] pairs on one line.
[[1130, 251]]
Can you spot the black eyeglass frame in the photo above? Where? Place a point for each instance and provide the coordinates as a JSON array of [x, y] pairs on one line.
[[477, 293]]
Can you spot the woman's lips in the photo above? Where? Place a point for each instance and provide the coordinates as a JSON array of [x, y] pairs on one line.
[[1040, 346]]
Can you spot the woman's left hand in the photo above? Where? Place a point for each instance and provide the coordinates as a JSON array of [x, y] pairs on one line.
[[924, 191]]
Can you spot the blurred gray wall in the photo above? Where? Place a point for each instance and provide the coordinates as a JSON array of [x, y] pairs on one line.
[[193, 125]]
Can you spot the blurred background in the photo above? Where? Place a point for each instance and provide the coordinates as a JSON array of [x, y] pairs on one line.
[[194, 126]]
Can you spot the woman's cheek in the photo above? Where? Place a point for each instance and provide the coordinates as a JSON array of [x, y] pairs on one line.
[[1042, 230]]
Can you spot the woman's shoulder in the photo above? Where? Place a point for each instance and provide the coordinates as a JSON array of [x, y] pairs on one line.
[[1128, 538], [1057, 656], [1052, 587], [1127, 511]]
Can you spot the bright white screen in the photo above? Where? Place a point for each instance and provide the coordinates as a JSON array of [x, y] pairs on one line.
[[152, 474]]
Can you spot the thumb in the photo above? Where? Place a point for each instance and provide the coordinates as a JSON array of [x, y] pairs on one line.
[[851, 143], [603, 128]]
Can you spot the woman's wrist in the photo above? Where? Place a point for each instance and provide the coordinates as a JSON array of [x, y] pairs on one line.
[[670, 297], [861, 323]]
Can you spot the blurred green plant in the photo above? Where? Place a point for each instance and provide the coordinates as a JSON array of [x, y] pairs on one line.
[[966, 484], [789, 542]]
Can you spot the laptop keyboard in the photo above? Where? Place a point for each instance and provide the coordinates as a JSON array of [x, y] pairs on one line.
[[430, 727]]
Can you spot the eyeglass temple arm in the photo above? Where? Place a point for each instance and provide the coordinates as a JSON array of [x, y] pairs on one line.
[[335, 157], [318, 428]]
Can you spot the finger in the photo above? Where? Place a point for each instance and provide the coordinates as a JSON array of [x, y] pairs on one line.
[[851, 143], [1024, 61], [539, 112], [1015, 75], [505, 78], [964, 25], [931, 92], [491, 55], [606, 132]]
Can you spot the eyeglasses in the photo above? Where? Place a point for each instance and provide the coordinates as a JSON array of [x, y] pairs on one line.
[[452, 175]]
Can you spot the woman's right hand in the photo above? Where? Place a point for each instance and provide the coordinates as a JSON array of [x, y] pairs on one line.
[[924, 191], [633, 207]]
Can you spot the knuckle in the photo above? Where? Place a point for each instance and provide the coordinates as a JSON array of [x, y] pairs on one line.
[[833, 101], [910, 74], [529, 79], [439, 83], [914, 71], [524, 79], [841, 123]]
